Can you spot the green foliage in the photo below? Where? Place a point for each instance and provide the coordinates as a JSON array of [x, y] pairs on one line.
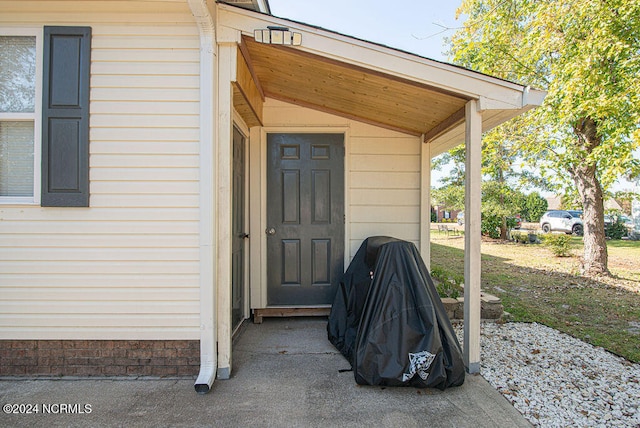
[[491, 226], [449, 196], [500, 199], [500, 203], [534, 206], [437, 273], [559, 244], [524, 237], [615, 230], [447, 284], [585, 55], [454, 159], [520, 237]]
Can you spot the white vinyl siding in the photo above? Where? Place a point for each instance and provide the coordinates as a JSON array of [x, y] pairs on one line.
[[127, 267], [384, 186]]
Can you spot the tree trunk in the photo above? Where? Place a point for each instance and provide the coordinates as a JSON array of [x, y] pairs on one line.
[[503, 229], [590, 190]]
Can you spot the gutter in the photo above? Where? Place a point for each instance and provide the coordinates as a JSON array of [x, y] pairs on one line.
[[207, 249]]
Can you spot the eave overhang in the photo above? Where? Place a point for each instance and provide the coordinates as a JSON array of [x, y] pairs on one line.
[[372, 83]]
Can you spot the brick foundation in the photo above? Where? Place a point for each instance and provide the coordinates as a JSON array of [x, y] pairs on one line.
[[99, 357]]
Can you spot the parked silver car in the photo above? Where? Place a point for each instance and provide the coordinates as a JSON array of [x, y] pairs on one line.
[[561, 221]]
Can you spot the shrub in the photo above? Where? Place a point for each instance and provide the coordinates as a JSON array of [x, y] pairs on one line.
[[558, 244], [524, 237], [447, 285], [534, 206], [615, 230], [512, 222], [491, 226], [437, 273], [520, 237]]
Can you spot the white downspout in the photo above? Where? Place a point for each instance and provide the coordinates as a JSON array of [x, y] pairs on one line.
[[208, 256]]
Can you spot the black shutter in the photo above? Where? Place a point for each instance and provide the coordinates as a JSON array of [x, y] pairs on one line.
[[65, 117]]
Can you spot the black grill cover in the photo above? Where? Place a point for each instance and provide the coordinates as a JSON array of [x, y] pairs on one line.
[[389, 322]]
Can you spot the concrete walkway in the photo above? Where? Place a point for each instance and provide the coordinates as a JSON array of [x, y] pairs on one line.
[[285, 374]]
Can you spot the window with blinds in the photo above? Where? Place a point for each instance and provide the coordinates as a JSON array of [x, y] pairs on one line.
[[17, 115]]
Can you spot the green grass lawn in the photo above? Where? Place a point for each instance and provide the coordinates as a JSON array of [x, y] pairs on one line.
[[534, 285]]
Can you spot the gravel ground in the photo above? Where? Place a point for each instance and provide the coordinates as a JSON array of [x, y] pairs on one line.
[[556, 380]]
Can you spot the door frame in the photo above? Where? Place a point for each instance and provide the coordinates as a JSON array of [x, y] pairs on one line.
[[242, 127], [258, 195], [244, 311]]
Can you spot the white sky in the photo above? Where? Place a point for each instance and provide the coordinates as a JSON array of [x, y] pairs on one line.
[[417, 26]]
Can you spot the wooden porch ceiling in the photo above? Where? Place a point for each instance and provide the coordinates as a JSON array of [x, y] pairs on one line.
[[294, 76]]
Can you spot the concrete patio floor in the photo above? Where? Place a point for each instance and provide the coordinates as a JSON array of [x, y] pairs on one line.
[[285, 374]]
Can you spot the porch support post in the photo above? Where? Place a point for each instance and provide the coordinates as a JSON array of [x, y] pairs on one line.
[[425, 203], [472, 207], [226, 74]]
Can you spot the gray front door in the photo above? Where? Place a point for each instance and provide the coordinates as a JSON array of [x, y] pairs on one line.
[[238, 230], [305, 218]]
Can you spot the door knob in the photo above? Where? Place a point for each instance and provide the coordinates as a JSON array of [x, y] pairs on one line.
[[270, 231]]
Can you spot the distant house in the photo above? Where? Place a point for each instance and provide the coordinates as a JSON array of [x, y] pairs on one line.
[[444, 214], [554, 202], [612, 205], [169, 168]]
